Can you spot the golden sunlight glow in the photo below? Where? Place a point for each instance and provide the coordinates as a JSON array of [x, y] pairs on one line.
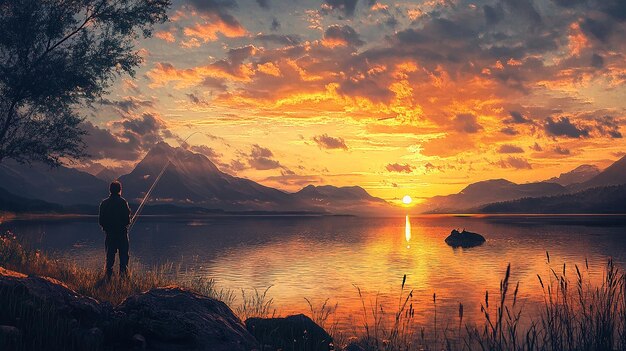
[[407, 232], [406, 199]]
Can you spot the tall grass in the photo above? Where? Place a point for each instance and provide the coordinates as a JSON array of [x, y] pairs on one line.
[[573, 316]]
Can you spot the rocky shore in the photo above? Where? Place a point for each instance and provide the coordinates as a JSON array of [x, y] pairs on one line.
[[43, 313]]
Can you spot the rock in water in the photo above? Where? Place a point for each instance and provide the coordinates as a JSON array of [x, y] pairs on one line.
[[464, 239], [292, 333], [176, 319]]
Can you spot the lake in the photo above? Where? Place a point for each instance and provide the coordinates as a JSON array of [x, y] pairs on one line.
[[323, 258]]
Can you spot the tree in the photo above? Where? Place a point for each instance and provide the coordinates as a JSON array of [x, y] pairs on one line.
[[59, 55]]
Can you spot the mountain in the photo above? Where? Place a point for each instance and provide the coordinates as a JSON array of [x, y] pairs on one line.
[[192, 179], [14, 203], [488, 191], [608, 199], [615, 174], [60, 185], [106, 174], [350, 199], [579, 174]]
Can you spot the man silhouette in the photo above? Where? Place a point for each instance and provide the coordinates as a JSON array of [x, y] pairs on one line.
[[114, 219]]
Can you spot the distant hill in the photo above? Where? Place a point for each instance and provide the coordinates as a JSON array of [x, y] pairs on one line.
[[578, 175], [107, 175], [476, 196], [608, 199], [488, 191], [615, 174], [14, 203], [61, 185]]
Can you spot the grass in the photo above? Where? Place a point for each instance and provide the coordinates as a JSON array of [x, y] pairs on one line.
[[576, 314]]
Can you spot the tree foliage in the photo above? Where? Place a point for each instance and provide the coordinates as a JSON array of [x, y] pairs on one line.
[[57, 55]]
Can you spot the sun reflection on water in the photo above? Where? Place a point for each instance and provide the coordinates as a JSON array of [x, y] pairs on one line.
[[407, 232]]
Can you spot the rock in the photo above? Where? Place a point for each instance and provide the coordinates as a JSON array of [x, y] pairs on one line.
[[296, 332], [464, 239], [10, 337], [353, 346], [176, 319], [139, 342], [66, 310], [160, 319]]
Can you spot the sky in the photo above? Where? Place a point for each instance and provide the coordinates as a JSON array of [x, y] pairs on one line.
[[410, 97]]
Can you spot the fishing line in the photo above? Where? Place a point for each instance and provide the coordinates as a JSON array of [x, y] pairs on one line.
[[145, 198]]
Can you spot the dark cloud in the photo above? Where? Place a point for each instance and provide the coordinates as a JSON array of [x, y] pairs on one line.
[[281, 39], [342, 35], [536, 147], [275, 24], [264, 3], [261, 158], [597, 61], [561, 151], [325, 141], [510, 149], [206, 151], [509, 131], [564, 127], [128, 139], [399, 168], [466, 123], [128, 104], [608, 126], [514, 162], [217, 8], [517, 118], [346, 6]]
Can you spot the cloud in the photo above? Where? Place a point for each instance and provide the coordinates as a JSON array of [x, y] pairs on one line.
[[207, 151], [517, 118], [561, 151], [509, 131], [514, 162], [165, 35], [325, 141], [128, 103], [466, 123], [608, 126], [275, 24], [216, 19], [345, 35], [265, 4], [536, 147], [346, 6], [510, 149], [261, 158], [127, 139], [399, 168], [564, 127], [289, 40]]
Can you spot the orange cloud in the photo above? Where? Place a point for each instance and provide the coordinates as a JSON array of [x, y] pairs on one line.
[[208, 31], [167, 36]]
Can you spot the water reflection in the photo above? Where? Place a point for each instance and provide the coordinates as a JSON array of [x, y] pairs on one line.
[[326, 257], [407, 232]]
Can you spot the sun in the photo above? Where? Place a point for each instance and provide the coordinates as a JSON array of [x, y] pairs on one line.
[[406, 199]]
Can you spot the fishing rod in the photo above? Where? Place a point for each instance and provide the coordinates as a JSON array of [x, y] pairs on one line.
[[156, 180], [145, 198]]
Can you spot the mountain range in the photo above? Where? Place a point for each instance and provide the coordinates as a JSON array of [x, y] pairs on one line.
[[567, 192], [190, 180]]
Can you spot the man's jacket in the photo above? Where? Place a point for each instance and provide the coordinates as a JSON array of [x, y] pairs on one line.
[[114, 214]]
